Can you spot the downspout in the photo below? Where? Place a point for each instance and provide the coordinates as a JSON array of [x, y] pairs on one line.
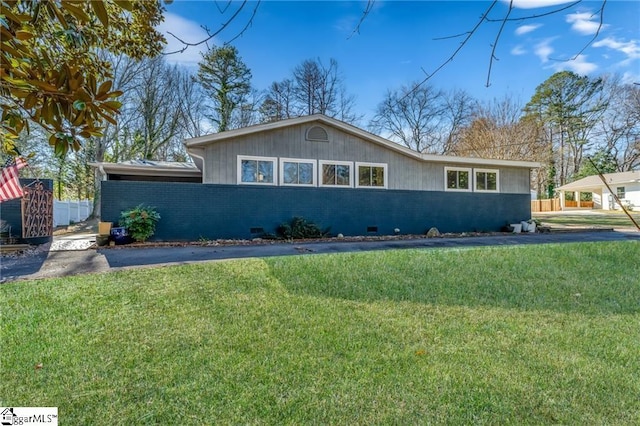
[[201, 158]]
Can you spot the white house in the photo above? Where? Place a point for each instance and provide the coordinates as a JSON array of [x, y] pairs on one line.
[[626, 185]]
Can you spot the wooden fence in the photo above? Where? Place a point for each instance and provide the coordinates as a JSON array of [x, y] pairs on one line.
[[582, 204], [550, 205]]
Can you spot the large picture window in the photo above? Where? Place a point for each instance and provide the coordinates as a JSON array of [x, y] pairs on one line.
[[371, 175], [297, 172], [257, 170], [457, 179], [486, 180], [336, 173]]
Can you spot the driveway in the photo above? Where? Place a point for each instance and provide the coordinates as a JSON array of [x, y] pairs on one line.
[[44, 263]]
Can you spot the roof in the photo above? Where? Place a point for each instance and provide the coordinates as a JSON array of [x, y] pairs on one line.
[[149, 168], [348, 128], [591, 182]]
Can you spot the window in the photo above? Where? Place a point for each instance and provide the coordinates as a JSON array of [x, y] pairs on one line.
[[257, 170], [457, 179], [486, 180], [336, 173], [297, 172], [371, 175], [620, 192]]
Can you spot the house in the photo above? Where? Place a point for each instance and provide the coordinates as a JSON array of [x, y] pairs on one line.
[[331, 173], [626, 185]]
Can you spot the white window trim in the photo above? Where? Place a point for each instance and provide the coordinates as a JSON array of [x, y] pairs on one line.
[[356, 177], [496, 171], [274, 160], [314, 171], [459, 169], [337, 163]]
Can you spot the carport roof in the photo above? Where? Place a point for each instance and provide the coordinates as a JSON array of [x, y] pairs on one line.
[[594, 182]]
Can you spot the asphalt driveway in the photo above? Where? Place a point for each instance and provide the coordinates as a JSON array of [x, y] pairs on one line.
[[44, 264]]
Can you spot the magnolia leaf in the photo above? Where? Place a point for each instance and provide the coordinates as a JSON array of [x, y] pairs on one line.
[[126, 5], [23, 35], [105, 87], [101, 12]]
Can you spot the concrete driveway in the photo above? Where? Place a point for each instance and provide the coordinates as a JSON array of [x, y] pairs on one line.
[[44, 263]]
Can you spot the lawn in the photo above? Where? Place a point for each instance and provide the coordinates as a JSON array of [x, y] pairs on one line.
[[596, 219], [505, 335]]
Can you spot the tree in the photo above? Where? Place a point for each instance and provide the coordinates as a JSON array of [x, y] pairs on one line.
[[278, 102], [319, 89], [227, 80], [568, 106], [620, 124], [601, 162], [313, 89], [423, 118], [51, 72]]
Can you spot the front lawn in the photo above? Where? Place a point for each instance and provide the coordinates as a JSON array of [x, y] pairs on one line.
[[508, 335], [595, 219]]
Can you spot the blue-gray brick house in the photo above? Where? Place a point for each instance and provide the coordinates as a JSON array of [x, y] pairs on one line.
[[322, 169]]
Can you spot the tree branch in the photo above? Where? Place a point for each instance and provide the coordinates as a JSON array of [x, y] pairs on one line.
[[495, 43]]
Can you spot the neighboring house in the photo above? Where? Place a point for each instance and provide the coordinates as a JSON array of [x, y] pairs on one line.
[[331, 173], [626, 185]]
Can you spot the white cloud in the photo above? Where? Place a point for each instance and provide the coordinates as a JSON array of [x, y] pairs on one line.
[[524, 29], [584, 23], [631, 78], [543, 50], [630, 48], [532, 4], [518, 50], [186, 30], [579, 65]]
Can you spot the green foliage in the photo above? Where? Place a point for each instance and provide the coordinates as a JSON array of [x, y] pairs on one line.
[[603, 162], [51, 72], [140, 222], [300, 227], [227, 80]]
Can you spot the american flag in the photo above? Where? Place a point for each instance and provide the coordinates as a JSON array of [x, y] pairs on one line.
[[9, 182]]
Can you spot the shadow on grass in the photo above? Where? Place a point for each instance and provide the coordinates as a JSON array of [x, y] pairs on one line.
[[586, 278]]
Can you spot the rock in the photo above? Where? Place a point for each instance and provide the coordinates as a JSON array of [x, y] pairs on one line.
[[433, 233], [340, 236]]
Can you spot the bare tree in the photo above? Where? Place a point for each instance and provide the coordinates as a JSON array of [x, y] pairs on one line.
[[620, 124], [422, 118], [278, 102]]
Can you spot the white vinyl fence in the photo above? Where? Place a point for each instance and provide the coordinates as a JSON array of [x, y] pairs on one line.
[[68, 212]]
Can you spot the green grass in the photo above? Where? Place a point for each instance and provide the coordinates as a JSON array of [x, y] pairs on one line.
[[507, 335], [593, 219]]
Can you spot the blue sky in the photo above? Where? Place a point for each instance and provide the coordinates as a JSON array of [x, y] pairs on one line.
[[397, 42]]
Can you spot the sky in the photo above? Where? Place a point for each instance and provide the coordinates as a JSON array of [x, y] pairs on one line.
[[400, 42]]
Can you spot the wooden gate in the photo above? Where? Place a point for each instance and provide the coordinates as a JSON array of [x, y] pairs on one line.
[[37, 211]]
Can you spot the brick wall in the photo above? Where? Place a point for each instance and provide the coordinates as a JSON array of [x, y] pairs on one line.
[[193, 211]]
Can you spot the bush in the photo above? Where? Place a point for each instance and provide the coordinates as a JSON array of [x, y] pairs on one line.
[[140, 222], [300, 227]]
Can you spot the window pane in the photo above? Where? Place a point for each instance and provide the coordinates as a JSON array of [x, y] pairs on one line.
[[492, 181], [377, 176], [342, 175], [265, 171], [249, 169], [452, 179], [364, 176], [463, 180], [290, 172], [329, 174], [620, 192], [481, 181], [305, 173]]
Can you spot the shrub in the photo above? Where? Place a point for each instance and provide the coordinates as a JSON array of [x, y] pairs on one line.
[[140, 222], [300, 227]]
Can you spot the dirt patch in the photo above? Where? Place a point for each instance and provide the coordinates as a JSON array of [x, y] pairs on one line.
[[89, 226]]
